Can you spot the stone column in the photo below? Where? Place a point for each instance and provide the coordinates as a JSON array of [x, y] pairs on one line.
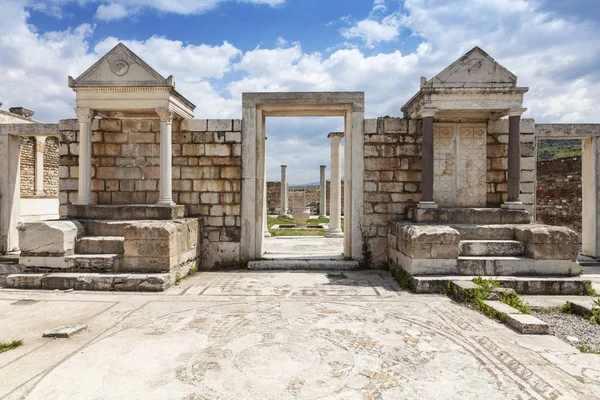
[[166, 157], [266, 211], [427, 161], [514, 160], [335, 219], [84, 194], [40, 144], [284, 192], [323, 202]]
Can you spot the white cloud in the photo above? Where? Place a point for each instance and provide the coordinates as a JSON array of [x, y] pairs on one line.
[[111, 12], [557, 58], [372, 31]]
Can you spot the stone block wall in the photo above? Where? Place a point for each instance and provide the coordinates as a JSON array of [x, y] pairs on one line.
[[392, 177], [558, 192], [27, 166], [273, 197], [497, 162], [51, 163], [126, 168]]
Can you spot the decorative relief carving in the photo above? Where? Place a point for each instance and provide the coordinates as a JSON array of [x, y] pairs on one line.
[[459, 176], [118, 65], [165, 115], [84, 114]]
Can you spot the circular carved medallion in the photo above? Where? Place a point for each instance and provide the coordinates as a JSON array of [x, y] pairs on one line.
[[119, 67]]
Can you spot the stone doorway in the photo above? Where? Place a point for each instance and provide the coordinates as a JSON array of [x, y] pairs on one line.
[[459, 176], [258, 106]]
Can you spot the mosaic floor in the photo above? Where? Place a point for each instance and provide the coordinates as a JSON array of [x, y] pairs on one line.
[[266, 335]]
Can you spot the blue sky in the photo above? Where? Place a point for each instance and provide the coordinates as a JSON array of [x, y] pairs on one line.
[[216, 49]]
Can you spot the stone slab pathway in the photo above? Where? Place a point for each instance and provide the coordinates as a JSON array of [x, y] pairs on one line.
[[303, 247], [279, 335]]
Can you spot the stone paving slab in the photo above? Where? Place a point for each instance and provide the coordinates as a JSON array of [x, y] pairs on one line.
[[273, 335]]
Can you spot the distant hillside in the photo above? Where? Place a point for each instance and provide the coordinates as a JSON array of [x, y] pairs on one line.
[[555, 149]]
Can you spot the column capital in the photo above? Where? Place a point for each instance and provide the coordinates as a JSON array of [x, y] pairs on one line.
[[516, 112], [429, 112], [323, 166], [283, 166], [84, 114], [335, 135], [165, 114]]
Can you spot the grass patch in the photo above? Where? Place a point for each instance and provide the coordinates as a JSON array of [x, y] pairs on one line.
[[402, 278], [515, 302], [585, 349], [566, 308], [280, 219], [9, 346], [590, 291], [193, 270], [318, 221], [341, 275], [297, 232]]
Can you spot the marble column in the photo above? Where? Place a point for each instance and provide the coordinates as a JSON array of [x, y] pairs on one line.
[[284, 192], [335, 218], [323, 202], [166, 157], [40, 144], [427, 161], [514, 160], [84, 194], [265, 205]]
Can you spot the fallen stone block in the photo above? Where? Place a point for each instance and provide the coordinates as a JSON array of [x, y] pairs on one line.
[[462, 289], [527, 324], [64, 331]]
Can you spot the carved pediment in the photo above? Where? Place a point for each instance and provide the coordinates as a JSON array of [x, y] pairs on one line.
[[121, 67], [474, 69]]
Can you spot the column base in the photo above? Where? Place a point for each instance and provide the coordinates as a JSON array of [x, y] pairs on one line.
[[83, 203], [267, 234], [165, 203], [323, 216], [427, 204], [335, 234], [513, 205]]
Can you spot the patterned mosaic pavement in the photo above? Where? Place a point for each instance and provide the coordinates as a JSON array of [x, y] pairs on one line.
[[265, 335]]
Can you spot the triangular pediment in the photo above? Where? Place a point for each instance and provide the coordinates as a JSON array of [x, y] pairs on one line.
[[475, 69], [121, 67]]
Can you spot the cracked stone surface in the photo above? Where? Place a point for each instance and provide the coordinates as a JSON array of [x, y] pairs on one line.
[[279, 335]]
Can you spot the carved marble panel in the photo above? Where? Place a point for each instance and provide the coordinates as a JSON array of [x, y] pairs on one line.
[[459, 165]]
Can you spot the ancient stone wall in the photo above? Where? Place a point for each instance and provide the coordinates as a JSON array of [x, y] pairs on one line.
[[27, 166], [558, 192], [392, 176], [51, 163], [126, 168], [497, 162]]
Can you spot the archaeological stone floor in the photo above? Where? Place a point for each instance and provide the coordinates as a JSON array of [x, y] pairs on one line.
[[278, 335]]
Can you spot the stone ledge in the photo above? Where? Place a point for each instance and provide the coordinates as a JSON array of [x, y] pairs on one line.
[[468, 216], [125, 212], [91, 281]]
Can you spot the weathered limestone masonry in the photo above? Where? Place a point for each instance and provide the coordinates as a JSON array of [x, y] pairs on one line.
[[50, 168], [558, 192], [125, 155], [477, 175]]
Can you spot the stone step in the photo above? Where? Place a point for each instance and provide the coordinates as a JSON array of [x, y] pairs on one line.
[[523, 285], [513, 265], [485, 232], [93, 262], [91, 281], [100, 245], [522, 323], [105, 228], [303, 264], [444, 215], [124, 212], [491, 248]]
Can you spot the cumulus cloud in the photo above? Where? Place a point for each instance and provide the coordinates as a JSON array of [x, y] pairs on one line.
[[557, 57], [372, 31], [111, 12]]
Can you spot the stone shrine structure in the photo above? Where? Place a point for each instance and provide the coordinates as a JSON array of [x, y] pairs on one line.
[[148, 193]]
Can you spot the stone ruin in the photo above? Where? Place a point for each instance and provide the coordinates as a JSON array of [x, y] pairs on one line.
[[147, 193]]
